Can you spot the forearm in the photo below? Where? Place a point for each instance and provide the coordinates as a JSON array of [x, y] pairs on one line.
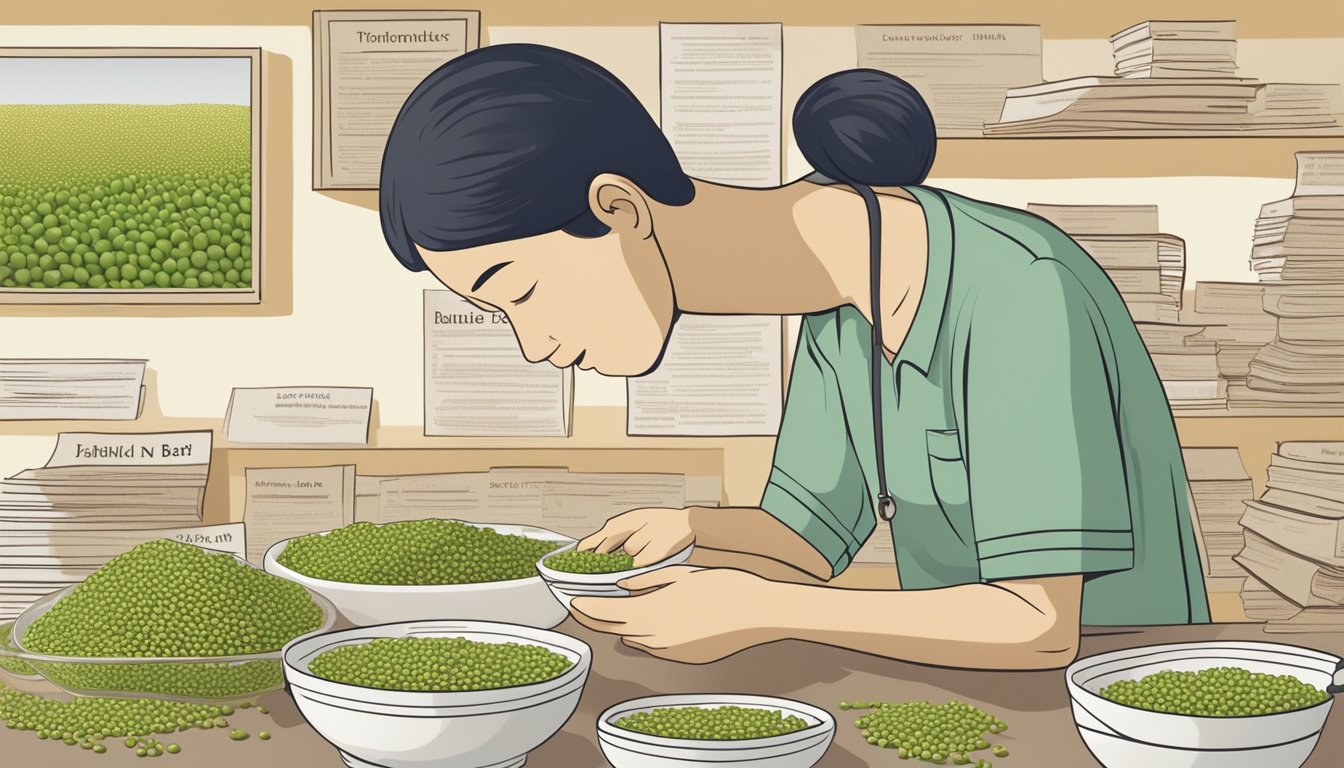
[[1017, 625], [753, 532]]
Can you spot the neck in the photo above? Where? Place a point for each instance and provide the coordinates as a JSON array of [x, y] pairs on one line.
[[796, 249]]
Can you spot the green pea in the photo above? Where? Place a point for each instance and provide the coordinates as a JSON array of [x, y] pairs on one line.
[[439, 664]]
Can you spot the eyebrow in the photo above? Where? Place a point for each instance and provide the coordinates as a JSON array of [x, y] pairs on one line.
[[487, 274]]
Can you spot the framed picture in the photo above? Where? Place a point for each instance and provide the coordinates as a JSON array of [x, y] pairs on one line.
[[130, 176]]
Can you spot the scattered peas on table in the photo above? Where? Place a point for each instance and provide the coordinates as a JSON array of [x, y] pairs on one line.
[[938, 734]]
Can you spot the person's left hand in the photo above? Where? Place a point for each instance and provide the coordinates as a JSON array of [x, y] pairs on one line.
[[693, 615]]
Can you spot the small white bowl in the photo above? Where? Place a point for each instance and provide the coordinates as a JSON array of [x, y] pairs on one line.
[[1120, 736], [800, 749], [375, 728], [567, 586], [526, 601]]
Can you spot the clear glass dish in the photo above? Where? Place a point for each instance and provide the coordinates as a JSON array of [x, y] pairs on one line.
[[214, 679], [9, 659]]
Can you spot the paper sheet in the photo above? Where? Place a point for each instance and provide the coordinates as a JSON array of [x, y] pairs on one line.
[[282, 503], [299, 415], [719, 376], [477, 382], [365, 64], [722, 100], [571, 503]]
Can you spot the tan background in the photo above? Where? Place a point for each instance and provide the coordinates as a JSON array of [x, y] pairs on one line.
[[339, 310]]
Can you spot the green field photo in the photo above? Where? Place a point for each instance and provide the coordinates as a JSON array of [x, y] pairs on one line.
[[131, 185]]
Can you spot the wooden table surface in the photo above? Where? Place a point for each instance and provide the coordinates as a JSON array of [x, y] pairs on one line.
[[1034, 704]]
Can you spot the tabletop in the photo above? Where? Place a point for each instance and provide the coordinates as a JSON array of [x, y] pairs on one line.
[[1034, 704]]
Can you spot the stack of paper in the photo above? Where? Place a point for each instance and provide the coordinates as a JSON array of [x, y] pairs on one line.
[[98, 496], [1302, 237], [1146, 266], [1187, 363], [1161, 107], [961, 71], [1176, 49], [1303, 368], [1295, 541], [1220, 487], [71, 389], [1233, 316], [1173, 78]]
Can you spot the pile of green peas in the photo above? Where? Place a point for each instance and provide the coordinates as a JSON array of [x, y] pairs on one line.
[[724, 723], [90, 722], [166, 599], [934, 733], [589, 562], [438, 664], [1216, 692], [415, 553], [116, 196]]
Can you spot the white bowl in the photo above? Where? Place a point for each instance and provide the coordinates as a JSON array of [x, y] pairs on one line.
[[567, 586], [1116, 752], [404, 729], [800, 749], [527, 601], [1121, 736]]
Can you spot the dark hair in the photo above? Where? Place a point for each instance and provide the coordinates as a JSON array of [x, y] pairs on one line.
[[503, 142], [866, 127]]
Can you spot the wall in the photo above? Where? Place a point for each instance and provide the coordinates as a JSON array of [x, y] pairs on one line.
[[355, 316]]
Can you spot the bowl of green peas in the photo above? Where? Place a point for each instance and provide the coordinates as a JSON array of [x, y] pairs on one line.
[[426, 569], [448, 694], [168, 620], [570, 572], [1218, 704], [714, 729]]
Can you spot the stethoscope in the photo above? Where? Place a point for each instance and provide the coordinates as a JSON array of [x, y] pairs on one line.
[[886, 503]]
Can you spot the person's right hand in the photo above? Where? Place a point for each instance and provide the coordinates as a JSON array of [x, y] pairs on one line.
[[649, 535]]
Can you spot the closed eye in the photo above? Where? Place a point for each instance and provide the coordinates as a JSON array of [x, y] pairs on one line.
[[525, 296]]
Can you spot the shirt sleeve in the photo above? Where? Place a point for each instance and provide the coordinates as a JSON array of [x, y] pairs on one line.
[[816, 486], [1047, 470]]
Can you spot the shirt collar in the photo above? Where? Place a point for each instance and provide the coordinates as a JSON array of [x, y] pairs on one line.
[[918, 347]]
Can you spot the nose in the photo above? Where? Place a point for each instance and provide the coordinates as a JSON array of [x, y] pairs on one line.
[[532, 352]]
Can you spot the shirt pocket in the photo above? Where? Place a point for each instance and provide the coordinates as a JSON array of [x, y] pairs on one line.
[[947, 472]]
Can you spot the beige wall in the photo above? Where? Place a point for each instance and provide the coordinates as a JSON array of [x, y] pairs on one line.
[[355, 316]]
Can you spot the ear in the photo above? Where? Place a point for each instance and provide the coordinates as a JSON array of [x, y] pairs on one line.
[[620, 204]]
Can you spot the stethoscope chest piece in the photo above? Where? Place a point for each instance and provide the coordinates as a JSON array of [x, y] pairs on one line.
[[886, 507]]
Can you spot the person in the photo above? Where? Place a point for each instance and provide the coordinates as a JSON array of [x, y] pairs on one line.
[[1030, 467]]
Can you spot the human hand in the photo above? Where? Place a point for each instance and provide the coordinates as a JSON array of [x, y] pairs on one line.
[[692, 615], [648, 535]]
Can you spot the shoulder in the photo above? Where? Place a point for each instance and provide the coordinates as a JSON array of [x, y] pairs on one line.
[[993, 239]]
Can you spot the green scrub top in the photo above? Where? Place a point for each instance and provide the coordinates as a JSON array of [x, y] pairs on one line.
[[1026, 431]]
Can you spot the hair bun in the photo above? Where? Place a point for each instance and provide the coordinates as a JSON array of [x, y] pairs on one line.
[[862, 126]]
